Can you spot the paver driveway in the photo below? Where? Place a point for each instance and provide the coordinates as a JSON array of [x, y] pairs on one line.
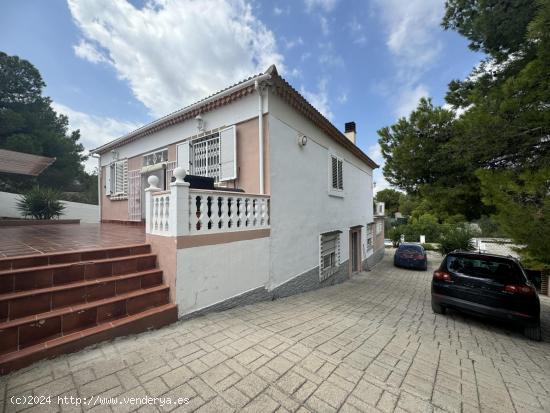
[[370, 344]]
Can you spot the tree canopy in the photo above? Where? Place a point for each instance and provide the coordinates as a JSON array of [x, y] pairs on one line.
[[493, 158], [29, 124]]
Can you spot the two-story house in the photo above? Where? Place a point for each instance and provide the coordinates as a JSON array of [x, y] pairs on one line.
[[289, 211]]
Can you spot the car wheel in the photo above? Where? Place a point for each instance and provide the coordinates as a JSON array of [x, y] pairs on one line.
[[533, 332], [438, 309], [425, 268]]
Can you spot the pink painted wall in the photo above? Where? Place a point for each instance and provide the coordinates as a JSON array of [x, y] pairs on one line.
[[247, 167]]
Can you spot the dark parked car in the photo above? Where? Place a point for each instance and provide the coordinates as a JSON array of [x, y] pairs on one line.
[[410, 255], [490, 285]]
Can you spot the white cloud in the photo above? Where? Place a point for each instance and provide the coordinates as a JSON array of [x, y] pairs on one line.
[[94, 130], [292, 43], [328, 57], [323, 5], [323, 21], [375, 153], [173, 53], [408, 97], [357, 31], [319, 99], [87, 51], [343, 98], [278, 11], [413, 28]]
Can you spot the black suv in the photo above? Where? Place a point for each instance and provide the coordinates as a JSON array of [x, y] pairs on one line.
[[490, 285]]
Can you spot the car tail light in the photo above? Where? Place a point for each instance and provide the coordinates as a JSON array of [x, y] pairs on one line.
[[519, 289], [442, 275], [418, 257]]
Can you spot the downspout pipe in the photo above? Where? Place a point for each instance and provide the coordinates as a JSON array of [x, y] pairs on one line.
[[259, 87]]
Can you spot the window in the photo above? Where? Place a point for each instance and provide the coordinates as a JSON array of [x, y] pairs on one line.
[[155, 157], [214, 155], [205, 157], [501, 270], [329, 254], [118, 185], [336, 174], [370, 243], [379, 227]]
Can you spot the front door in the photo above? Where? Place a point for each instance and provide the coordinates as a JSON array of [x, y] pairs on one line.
[[355, 250]]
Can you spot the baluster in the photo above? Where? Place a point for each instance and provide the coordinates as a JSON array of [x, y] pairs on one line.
[[202, 212], [255, 212], [222, 210], [239, 206], [155, 213], [230, 212], [167, 213]]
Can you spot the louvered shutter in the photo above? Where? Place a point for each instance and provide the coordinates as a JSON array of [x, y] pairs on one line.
[[340, 174], [183, 156], [334, 172], [119, 178], [125, 177], [108, 188], [228, 154]]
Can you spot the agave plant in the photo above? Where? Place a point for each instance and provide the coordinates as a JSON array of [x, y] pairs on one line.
[[40, 203]]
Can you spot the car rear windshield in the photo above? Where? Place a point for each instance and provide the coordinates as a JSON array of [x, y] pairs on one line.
[[493, 268], [410, 248]]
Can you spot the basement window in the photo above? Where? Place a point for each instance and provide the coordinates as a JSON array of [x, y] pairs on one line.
[[329, 257]]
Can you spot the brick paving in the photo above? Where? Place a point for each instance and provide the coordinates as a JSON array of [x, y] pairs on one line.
[[370, 344], [40, 239]]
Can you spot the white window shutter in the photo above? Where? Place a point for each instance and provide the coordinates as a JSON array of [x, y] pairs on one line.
[[125, 176], [334, 172], [183, 156], [340, 174], [228, 154], [108, 180]]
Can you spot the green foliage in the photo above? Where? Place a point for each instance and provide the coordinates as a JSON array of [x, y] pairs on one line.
[[425, 157], [391, 199], [523, 208], [29, 124], [496, 27], [489, 227], [395, 235], [456, 238], [40, 203], [431, 247], [492, 160]]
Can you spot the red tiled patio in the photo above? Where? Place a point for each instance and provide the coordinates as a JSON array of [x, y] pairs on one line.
[[41, 239]]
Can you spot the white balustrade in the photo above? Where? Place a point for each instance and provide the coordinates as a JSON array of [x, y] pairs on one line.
[[223, 211], [184, 211], [161, 213]]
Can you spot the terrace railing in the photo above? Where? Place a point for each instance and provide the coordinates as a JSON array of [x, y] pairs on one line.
[[184, 211]]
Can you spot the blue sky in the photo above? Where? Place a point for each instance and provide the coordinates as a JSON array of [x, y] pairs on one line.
[[113, 65]]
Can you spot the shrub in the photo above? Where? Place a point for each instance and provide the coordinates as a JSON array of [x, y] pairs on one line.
[[40, 203], [430, 247], [457, 238]]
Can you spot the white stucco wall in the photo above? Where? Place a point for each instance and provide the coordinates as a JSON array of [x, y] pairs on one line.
[[214, 273], [236, 112], [73, 210], [301, 207]]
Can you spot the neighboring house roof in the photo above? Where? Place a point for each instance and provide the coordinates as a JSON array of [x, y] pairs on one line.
[[23, 163], [235, 92]]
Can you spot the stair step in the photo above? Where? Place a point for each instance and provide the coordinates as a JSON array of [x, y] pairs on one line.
[[28, 261], [27, 331], [24, 303], [136, 323], [25, 279]]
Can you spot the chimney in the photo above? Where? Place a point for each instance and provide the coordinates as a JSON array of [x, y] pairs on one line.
[[350, 131]]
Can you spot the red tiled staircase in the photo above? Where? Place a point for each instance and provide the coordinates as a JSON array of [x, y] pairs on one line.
[[57, 303]]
